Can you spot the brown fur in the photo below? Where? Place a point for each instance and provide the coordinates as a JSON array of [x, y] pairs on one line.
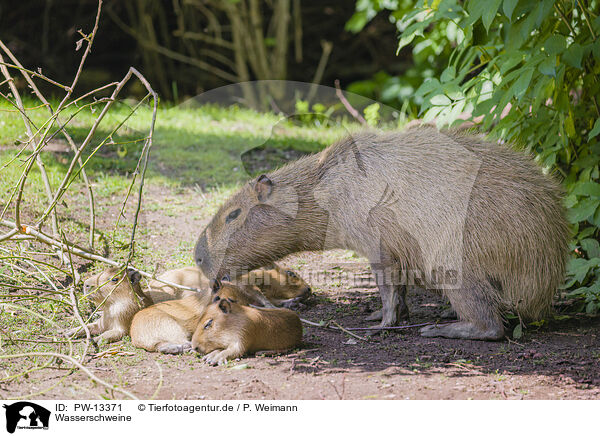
[[167, 327], [228, 330], [113, 292], [445, 199], [278, 285]]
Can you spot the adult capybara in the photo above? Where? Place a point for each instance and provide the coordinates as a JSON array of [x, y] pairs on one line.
[[228, 330], [449, 211]]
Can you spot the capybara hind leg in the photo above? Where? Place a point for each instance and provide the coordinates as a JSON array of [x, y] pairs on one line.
[[478, 312]]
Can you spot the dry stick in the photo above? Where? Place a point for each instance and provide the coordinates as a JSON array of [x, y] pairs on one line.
[[347, 329], [62, 188], [348, 332], [145, 156], [78, 365], [33, 73], [42, 237], [38, 158], [347, 105], [66, 135], [75, 305]]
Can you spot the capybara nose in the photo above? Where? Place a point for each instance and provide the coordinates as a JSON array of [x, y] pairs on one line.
[[200, 253], [306, 292]]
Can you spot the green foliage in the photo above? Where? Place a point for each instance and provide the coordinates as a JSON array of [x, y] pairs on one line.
[[428, 56], [529, 71]]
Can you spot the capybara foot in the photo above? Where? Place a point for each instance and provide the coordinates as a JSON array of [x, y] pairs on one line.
[[378, 315], [464, 330], [293, 303], [216, 357], [170, 348]]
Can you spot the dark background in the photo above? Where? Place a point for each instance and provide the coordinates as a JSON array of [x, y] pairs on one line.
[[44, 34]]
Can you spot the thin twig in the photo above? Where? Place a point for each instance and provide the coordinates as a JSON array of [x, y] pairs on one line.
[[347, 105]]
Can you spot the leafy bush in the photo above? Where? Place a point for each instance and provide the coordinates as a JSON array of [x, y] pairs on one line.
[[528, 70]]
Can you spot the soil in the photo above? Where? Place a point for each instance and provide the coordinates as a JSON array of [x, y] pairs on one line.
[[560, 360]]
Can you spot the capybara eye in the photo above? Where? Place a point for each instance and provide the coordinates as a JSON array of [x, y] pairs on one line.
[[233, 215], [114, 279], [208, 324], [291, 274]]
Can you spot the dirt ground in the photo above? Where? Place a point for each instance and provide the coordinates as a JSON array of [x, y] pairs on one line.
[[557, 361]]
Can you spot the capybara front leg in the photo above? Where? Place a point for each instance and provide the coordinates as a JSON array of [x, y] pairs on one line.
[[402, 310]]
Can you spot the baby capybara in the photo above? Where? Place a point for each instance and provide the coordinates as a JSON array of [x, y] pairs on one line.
[[167, 327], [228, 330]]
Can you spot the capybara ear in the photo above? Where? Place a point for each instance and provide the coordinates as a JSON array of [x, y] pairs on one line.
[[134, 276], [215, 285], [263, 188], [225, 306]]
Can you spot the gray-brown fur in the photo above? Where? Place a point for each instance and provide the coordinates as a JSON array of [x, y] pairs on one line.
[[415, 200]]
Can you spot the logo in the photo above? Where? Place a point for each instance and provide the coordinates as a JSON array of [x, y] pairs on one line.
[[26, 415]]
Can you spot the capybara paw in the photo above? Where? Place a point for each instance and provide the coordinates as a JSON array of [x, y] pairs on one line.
[[375, 316], [463, 330], [293, 303], [170, 348], [187, 347], [216, 357]]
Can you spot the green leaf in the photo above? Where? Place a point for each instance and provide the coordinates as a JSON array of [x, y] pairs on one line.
[[440, 100], [594, 132], [584, 209], [517, 332], [489, 13], [448, 74], [357, 22], [476, 9], [548, 66], [508, 7], [579, 268], [591, 247], [554, 45], [570, 125], [588, 189], [573, 55], [522, 83]]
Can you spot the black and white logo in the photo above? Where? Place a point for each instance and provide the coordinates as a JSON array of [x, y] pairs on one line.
[[26, 415]]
